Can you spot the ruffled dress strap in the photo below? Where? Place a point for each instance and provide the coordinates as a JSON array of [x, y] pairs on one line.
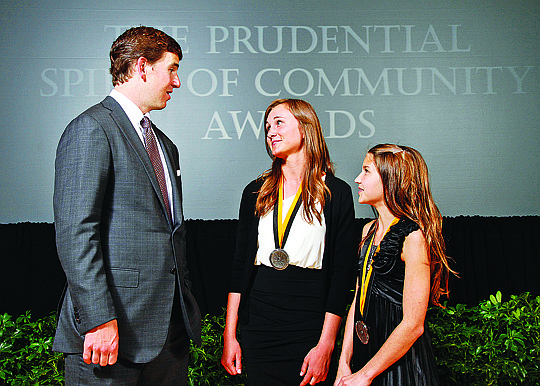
[[390, 248]]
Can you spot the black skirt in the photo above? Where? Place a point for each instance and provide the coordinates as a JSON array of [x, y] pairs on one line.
[[286, 316]]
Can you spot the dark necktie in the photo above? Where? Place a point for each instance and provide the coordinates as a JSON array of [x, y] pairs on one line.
[[150, 143]]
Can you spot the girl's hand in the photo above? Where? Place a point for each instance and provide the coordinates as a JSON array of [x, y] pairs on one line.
[[343, 371], [356, 379], [316, 365]]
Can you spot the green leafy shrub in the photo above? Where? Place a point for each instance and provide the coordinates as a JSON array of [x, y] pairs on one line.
[[26, 356], [493, 343], [205, 362]]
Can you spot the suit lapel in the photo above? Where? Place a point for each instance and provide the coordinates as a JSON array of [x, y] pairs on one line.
[[128, 131], [173, 167]]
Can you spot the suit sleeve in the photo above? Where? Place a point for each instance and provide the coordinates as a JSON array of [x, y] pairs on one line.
[[82, 167], [342, 250], [245, 227], [174, 157]]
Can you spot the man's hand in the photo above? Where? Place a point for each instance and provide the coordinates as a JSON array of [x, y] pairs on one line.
[[101, 344]]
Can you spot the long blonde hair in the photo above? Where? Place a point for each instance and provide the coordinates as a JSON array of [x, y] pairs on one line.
[[407, 193], [318, 163]]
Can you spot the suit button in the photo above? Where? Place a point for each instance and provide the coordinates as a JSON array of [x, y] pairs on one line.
[[173, 270]]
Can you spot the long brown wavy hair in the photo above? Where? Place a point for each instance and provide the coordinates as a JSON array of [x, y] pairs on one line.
[[317, 163], [407, 193]]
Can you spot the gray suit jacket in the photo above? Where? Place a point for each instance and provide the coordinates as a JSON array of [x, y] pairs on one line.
[[119, 250]]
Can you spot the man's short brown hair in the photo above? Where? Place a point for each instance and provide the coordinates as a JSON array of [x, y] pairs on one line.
[[137, 42]]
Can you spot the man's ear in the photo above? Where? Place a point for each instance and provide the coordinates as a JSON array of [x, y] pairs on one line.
[[141, 66]]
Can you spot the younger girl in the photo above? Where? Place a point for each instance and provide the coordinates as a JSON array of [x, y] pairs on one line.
[[402, 267]]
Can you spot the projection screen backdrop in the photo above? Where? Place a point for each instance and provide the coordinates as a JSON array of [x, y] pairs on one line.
[[458, 80]]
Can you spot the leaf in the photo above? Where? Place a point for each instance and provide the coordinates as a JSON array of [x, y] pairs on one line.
[[493, 342]]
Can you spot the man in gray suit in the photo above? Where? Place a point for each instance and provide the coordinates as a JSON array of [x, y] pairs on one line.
[[127, 314]]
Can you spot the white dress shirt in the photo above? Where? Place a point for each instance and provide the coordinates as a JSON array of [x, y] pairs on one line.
[[304, 245]]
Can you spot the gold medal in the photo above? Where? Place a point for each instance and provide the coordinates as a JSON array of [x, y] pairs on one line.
[[279, 259]]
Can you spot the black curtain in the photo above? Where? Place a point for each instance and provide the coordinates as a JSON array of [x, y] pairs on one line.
[[490, 254], [31, 276], [210, 246]]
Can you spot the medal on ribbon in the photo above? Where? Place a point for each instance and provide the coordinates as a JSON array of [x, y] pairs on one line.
[[362, 330], [360, 326], [279, 258]]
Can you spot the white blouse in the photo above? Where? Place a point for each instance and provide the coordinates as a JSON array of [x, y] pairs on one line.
[[304, 245]]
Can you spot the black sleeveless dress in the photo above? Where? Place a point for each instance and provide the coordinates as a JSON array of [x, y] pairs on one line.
[[385, 312]]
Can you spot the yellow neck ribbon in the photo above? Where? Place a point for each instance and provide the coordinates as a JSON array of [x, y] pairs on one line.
[[282, 225], [366, 271]]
